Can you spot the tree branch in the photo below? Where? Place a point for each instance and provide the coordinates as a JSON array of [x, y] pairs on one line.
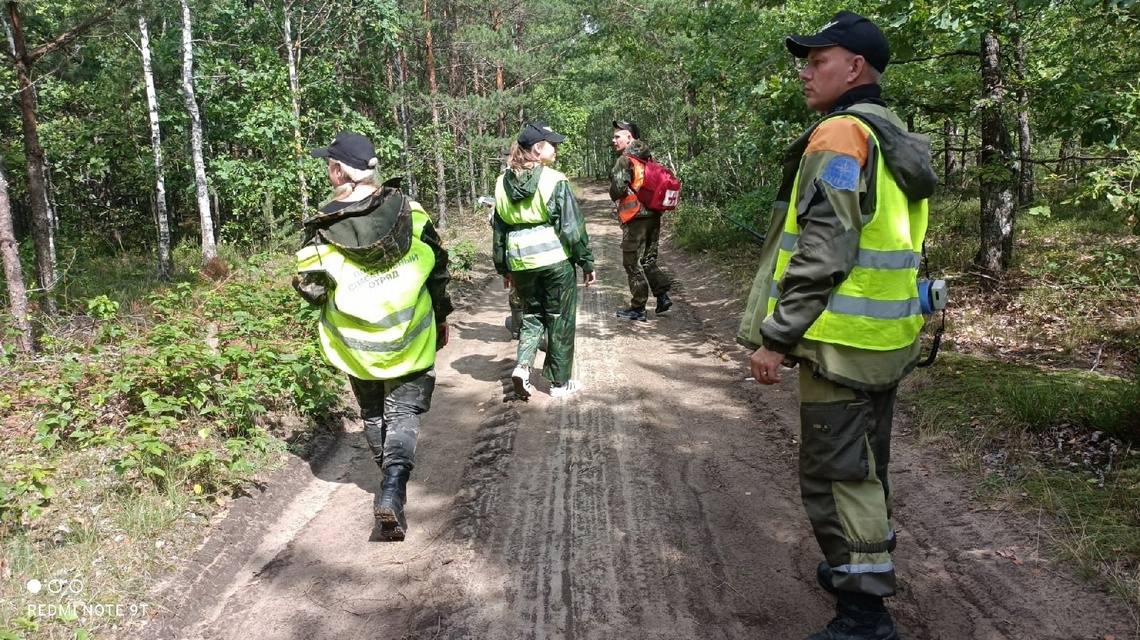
[[67, 37]]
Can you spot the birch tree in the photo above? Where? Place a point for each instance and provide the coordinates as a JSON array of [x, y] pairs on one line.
[[161, 218], [209, 247], [13, 273], [998, 175]]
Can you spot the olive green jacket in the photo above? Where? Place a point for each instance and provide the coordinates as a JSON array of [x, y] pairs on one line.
[[830, 221]]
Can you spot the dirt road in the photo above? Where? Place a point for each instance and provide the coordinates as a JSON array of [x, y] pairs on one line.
[[659, 503]]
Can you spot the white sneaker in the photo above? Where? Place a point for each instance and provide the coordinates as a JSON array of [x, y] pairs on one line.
[[520, 377], [571, 387]]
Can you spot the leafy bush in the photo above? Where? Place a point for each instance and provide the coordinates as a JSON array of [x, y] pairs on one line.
[[462, 257], [212, 362]]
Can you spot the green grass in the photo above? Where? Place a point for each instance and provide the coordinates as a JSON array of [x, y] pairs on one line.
[[1061, 444]]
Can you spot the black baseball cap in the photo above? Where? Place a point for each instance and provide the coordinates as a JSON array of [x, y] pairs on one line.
[[626, 125], [538, 132], [350, 148], [850, 31]]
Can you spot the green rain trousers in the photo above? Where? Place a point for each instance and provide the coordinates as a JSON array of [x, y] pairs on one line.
[[550, 304], [845, 447]]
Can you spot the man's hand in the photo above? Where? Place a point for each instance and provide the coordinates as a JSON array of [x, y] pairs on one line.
[[764, 365], [442, 334], [588, 278], [506, 282]]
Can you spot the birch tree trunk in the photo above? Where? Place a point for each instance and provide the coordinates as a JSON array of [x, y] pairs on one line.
[[209, 247], [161, 219], [13, 273], [293, 56], [440, 168], [1024, 135], [998, 174]]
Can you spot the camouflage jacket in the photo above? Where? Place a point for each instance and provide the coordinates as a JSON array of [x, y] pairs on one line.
[[621, 176]]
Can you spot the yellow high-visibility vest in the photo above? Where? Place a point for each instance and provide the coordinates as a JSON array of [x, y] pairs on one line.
[[377, 325], [877, 306], [533, 242]]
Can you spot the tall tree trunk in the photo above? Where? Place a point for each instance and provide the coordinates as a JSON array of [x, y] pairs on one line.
[[496, 24], [440, 167], [163, 222], [952, 163], [1024, 137], [43, 231], [406, 120], [13, 273], [209, 247], [998, 175], [293, 57]]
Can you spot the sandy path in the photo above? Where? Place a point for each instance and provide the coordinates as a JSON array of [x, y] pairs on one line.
[[659, 503]]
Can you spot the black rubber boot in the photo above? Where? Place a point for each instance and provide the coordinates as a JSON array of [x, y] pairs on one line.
[[663, 304], [869, 621], [389, 508]]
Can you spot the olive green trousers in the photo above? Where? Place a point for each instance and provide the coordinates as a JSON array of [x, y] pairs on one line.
[[845, 449]]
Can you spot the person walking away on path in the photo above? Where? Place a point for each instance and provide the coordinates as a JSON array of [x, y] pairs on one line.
[[538, 239], [640, 226], [836, 294], [373, 263]]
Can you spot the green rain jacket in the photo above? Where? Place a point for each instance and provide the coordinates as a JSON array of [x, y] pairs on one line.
[[564, 214]]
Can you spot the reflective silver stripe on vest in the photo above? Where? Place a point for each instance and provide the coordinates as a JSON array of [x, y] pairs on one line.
[[902, 259], [885, 567], [788, 241], [391, 320], [378, 347], [868, 258], [868, 308], [519, 235]]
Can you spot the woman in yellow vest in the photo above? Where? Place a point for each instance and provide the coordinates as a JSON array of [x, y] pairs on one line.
[[373, 263], [539, 238]]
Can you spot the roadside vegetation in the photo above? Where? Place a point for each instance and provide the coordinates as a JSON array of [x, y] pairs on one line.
[[150, 407]]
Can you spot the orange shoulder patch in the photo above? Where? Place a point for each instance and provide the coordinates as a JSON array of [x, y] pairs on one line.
[[840, 135]]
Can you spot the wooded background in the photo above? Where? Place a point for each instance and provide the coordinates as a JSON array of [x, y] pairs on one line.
[[141, 127]]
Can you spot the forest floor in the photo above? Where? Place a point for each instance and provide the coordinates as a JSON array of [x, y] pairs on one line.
[[661, 502]]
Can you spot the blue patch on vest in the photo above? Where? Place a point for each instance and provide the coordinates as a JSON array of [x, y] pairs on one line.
[[842, 172]]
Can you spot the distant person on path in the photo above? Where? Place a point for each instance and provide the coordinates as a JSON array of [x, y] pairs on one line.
[[372, 261], [538, 238], [641, 226], [836, 294]]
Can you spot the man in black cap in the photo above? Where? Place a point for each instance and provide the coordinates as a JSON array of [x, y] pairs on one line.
[[836, 294], [641, 226]]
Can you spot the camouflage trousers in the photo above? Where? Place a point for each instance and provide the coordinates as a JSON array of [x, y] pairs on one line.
[[845, 448], [391, 410], [550, 306], [639, 257]]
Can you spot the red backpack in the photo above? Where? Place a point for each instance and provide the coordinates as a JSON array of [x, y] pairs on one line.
[[660, 189]]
